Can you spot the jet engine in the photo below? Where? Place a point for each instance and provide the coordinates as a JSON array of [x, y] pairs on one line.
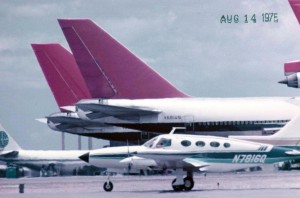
[[292, 80]]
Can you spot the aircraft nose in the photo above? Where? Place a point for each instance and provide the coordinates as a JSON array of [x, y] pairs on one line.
[[85, 157]]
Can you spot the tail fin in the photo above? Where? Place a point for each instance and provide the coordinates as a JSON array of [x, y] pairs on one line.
[[289, 135], [62, 73], [290, 131], [108, 65], [291, 67], [295, 4], [7, 143]]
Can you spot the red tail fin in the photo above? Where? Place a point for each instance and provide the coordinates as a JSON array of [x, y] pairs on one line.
[[108, 65], [295, 4], [62, 73], [291, 67]]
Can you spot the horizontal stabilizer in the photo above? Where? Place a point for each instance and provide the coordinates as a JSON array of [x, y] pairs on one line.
[[9, 153], [293, 152], [42, 120], [73, 121], [101, 110]]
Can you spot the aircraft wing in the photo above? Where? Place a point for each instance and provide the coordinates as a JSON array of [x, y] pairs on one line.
[[102, 110], [196, 163], [10, 153]]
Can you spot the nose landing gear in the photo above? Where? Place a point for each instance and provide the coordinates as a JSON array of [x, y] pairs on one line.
[[108, 186]]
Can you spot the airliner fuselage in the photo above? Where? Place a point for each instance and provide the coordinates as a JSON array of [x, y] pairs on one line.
[[196, 114]]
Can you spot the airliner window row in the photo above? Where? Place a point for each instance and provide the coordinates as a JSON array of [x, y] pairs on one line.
[[242, 122]]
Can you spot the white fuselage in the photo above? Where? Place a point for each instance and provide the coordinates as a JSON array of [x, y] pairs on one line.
[[35, 159], [204, 153], [202, 114]]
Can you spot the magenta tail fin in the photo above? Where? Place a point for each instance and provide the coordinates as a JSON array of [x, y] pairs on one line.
[[62, 73], [295, 4], [291, 67], [109, 66]]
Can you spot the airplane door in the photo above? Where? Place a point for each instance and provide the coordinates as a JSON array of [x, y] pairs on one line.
[[189, 122]]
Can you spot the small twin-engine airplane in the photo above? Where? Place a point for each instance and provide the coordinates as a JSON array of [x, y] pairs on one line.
[[194, 153]]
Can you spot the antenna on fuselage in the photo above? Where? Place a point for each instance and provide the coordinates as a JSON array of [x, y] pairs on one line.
[[176, 129]]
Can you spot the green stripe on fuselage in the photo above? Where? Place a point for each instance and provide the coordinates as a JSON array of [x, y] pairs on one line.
[[277, 154], [110, 156]]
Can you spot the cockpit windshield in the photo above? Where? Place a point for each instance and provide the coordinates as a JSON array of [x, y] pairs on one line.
[[150, 142], [161, 143]]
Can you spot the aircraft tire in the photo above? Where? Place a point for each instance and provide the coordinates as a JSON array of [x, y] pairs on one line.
[[188, 183], [177, 188], [108, 186]]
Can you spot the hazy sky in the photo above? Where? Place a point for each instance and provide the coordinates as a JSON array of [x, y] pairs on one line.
[[183, 40]]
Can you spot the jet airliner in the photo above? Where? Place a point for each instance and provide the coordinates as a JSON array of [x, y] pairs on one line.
[[150, 103], [42, 161]]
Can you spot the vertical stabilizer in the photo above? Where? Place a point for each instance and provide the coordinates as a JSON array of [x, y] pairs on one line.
[[290, 130], [7, 143], [295, 4], [291, 67], [62, 73], [289, 135], [109, 66]]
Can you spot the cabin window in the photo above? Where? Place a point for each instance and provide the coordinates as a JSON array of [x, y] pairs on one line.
[[226, 145], [200, 143], [186, 143], [214, 144], [163, 142]]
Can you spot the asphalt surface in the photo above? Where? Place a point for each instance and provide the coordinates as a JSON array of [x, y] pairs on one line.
[[249, 184]]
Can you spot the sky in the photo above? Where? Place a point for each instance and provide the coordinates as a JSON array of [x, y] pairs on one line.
[[184, 41]]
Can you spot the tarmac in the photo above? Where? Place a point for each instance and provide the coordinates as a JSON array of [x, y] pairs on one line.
[[246, 185]]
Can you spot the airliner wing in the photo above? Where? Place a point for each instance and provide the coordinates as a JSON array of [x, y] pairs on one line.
[[102, 110], [10, 153], [196, 163]]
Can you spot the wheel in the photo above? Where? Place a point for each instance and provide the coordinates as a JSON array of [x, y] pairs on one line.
[[108, 186], [177, 188], [188, 183]]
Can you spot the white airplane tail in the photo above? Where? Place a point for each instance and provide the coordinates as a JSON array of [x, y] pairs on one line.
[[7, 143], [290, 131], [289, 135]]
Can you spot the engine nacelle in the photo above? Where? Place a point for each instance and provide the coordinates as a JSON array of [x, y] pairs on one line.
[[292, 80]]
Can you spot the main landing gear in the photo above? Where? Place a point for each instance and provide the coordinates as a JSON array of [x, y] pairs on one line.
[[180, 183]]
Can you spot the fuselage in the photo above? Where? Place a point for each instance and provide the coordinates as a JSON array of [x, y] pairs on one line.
[[202, 115], [206, 153], [35, 159]]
